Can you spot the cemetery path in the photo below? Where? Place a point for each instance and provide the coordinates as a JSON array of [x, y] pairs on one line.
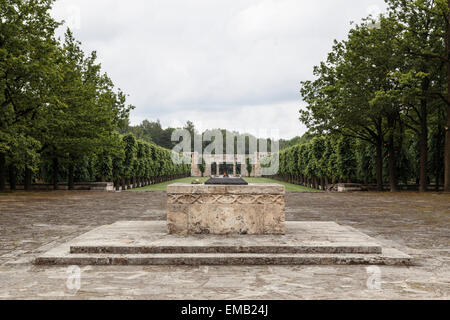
[[417, 224]]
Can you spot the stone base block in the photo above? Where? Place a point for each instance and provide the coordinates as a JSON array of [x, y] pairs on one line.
[[216, 209]]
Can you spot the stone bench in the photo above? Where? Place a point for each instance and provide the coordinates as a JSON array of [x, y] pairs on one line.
[[219, 209]]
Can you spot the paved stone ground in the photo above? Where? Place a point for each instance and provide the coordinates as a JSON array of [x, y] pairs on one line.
[[32, 223]]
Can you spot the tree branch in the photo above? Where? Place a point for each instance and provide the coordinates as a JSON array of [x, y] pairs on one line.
[[427, 55]]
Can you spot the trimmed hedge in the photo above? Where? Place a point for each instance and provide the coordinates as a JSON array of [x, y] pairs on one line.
[[321, 161], [143, 163]]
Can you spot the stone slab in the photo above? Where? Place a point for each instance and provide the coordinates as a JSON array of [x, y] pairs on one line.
[[251, 188], [146, 243], [130, 237], [389, 257], [227, 181]]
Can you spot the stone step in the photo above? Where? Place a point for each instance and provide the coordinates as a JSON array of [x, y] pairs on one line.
[[143, 237], [389, 257], [147, 243], [206, 249]]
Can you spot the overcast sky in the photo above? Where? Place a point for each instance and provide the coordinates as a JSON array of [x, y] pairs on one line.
[[234, 64]]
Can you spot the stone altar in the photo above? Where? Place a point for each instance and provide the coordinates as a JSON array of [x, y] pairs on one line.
[[256, 209]]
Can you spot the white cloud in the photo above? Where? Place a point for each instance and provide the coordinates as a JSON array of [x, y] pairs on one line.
[[222, 63], [259, 120]]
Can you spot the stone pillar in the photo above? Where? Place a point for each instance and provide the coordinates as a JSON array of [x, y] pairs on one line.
[[234, 167], [195, 171], [258, 170], [244, 172], [217, 168]]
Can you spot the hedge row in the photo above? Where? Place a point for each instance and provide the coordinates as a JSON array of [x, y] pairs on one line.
[[126, 161], [321, 161], [331, 159], [139, 164]]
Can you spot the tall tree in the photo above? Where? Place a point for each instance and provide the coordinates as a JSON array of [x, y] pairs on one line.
[[27, 67], [434, 45], [346, 96], [87, 113]]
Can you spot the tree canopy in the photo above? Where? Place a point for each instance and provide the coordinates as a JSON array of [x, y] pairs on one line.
[[60, 114], [386, 86]]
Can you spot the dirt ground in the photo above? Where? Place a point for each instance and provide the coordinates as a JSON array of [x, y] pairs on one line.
[[417, 224]]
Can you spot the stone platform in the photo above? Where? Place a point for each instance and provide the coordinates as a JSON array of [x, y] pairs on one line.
[[147, 243], [256, 209]]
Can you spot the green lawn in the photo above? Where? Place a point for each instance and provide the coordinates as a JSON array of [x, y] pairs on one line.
[[289, 187]]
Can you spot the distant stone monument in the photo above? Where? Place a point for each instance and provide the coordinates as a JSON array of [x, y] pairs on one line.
[[237, 164]]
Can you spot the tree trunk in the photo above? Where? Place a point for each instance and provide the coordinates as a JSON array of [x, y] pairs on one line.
[[379, 164], [423, 147], [2, 172], [28, 186], [391, 162], [438, 159], [55, 173], [423, 138], [447, 127], [12, 177], [447, 151], [70, 176]]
